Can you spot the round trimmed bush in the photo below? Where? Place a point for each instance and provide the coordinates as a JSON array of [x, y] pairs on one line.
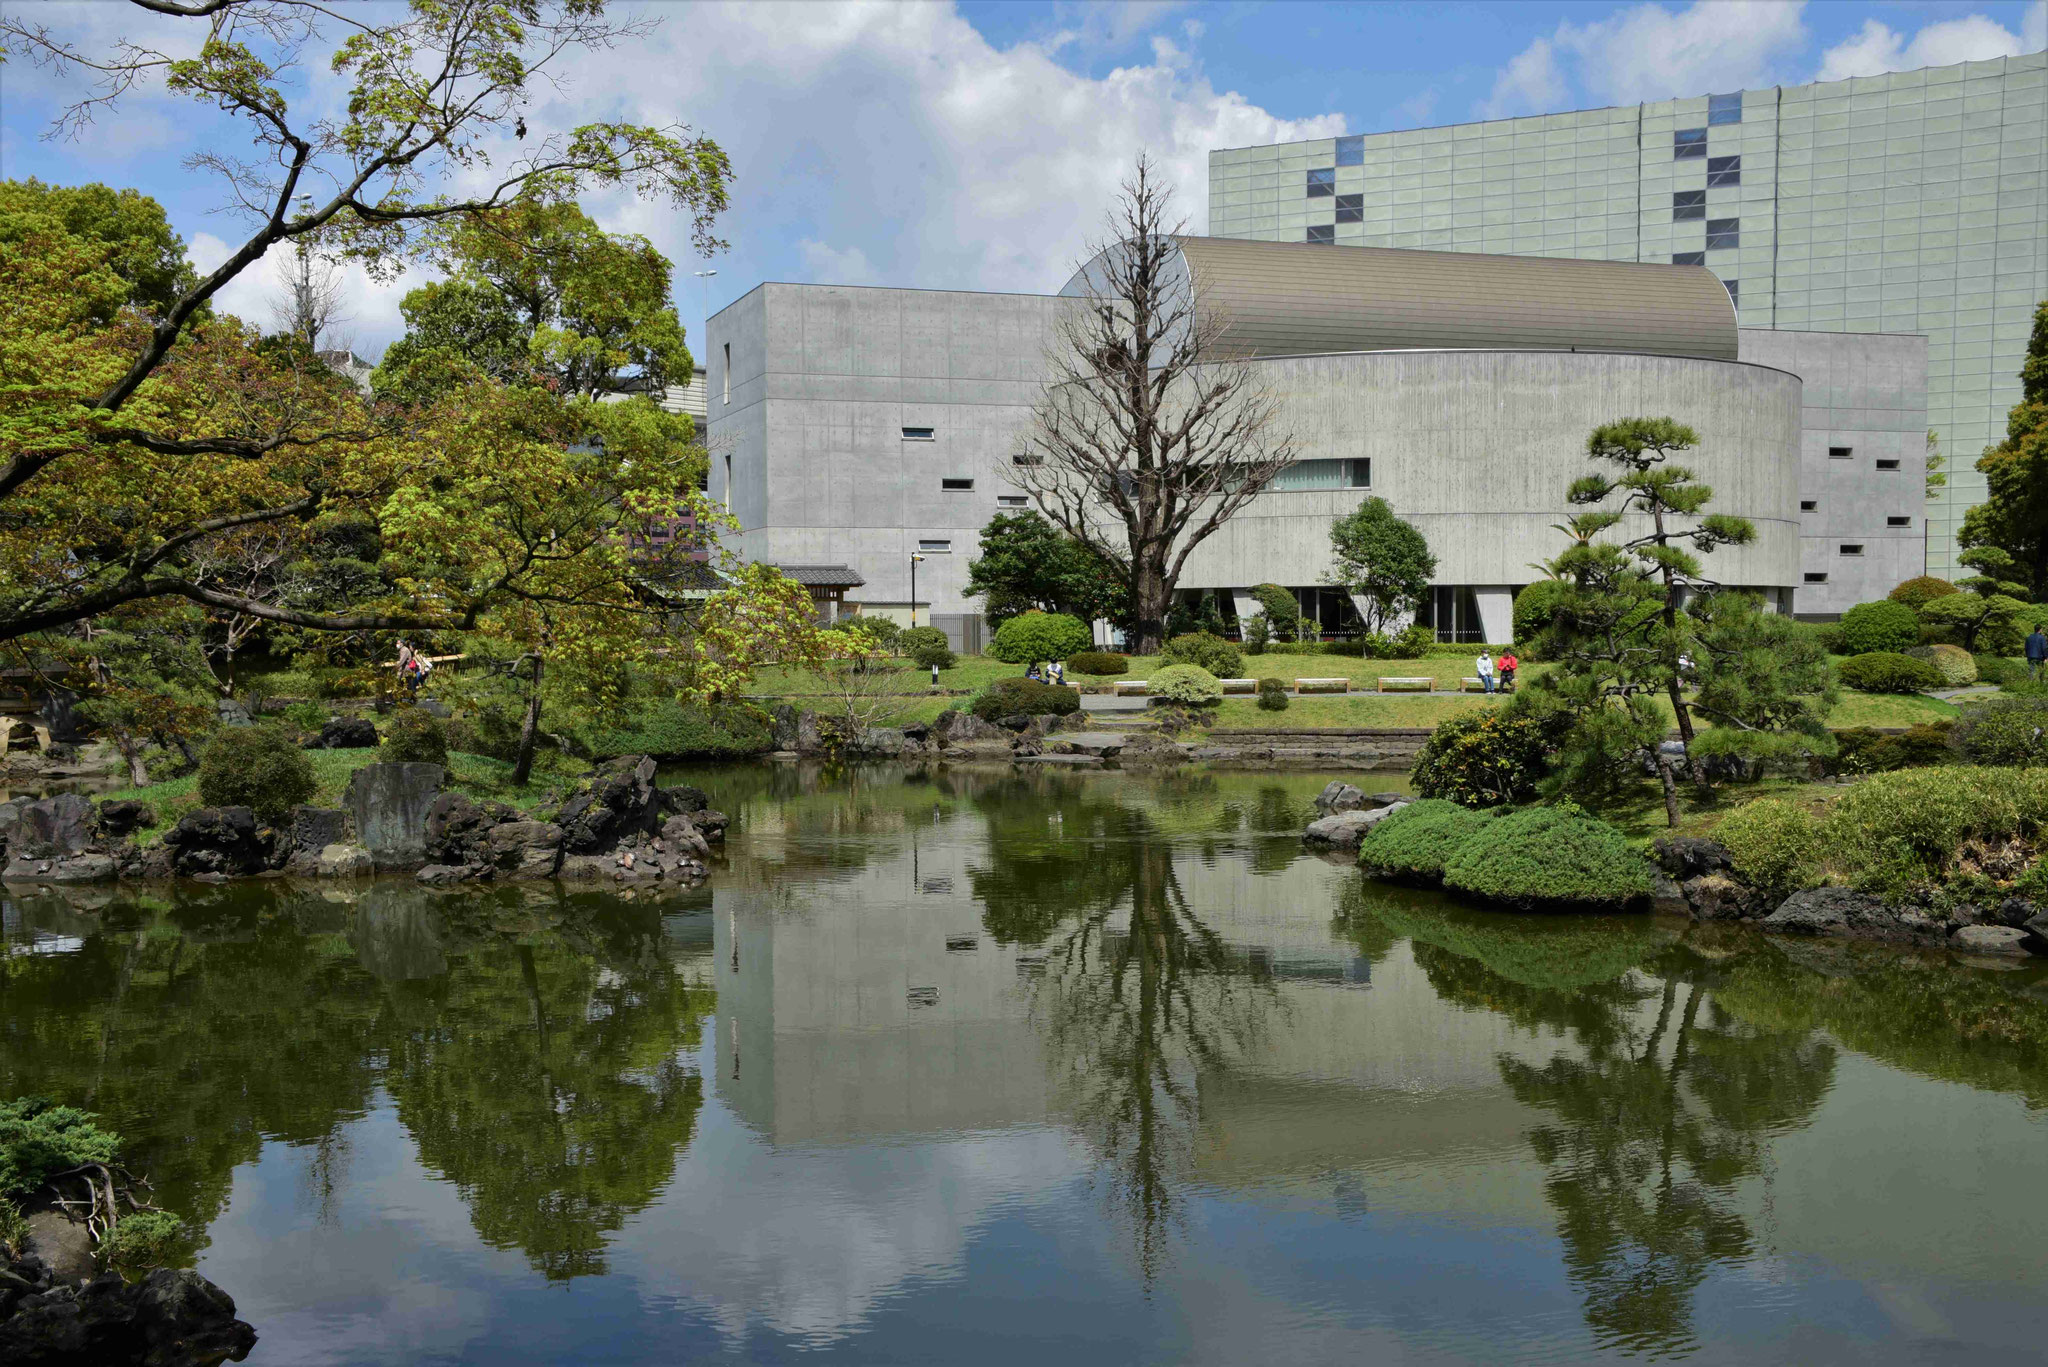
[[1921, 590], [1025, 698], [1550, 859], [1887, 671], [1883, 625], [1211, 652], [1412, 843], [1101, 663], [1483, 759], [1775, 845], [1534, 606], [2013, 733], [1188, 684], [1952, 662], [925, 647], [1272, 695], [258, 767], [415, 736], [887, 631], [1040, 636]]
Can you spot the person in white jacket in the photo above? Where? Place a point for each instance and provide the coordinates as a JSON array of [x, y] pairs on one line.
[[1484, 665]]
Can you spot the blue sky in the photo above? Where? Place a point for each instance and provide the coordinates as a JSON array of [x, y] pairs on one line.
[[976, 145]]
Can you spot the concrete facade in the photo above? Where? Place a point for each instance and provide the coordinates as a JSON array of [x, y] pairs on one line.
[[1913, 202]]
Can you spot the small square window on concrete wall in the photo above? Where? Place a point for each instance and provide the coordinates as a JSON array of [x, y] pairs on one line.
[[1898, 522], [1807, 505], [920, 434], [935, 547]]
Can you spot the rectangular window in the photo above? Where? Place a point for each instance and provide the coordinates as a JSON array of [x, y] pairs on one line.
[[1323, 474], [1898, 522], [920, 434], [1841, 452], [1688, 144], [1807, 505], [1322, 183], [1687, 205], [1351, 150], [1724, 108], [1012, 500], [1320, 232], [956, 486], [1724, 171], [1723, 233], [1852, 548], [935, 547], [1027, 458], [1688, 258], [1734, 288], [728, 372], [1351, 208], [1813, 578], [1887, 465]]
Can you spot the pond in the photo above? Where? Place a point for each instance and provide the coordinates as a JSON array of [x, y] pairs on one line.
[[999, 1067]]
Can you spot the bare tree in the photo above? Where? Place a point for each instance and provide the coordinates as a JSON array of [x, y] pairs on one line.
[[1152, 432], [308, 304]]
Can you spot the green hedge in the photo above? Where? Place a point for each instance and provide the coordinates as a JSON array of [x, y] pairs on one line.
[[1953, 663], [1887, 671], [1775, 845], [1550, 859], [668, 729], [1892, 831], [1916, 593], [1866, 750], [1411, 845], [925, 647], [2009, 732], [1040, 636], [1100, 663], [1272, 695], [415, 736], [1534, 607], [1016, 697], [1882, 625]]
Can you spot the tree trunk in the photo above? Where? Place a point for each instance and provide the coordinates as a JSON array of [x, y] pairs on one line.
[[138, 775], [529, 730], [1151, 598], [1670, 788]]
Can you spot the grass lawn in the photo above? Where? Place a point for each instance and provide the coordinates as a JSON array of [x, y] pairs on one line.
[[1391, 709], [1640, 814]]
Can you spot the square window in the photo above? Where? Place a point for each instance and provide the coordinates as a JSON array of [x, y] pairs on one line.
[[1320, 232], [1852, 548], [1687, 205], [1688, 258], [1898, 522], [1351, 151], [920, 434], [1322, 183], [1813, 578], [1887, 465], [1724, 171], [1723, 233], [1841, 452], [1808, 505], [935, 547], [1351, 208], [956, 486], [1012, 500], [1688, 144], [1724, 108]]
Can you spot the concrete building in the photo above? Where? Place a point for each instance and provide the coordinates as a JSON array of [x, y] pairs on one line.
[[862, 426], [1908, 204]]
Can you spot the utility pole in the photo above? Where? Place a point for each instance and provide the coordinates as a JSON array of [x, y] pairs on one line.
[[914, 558]]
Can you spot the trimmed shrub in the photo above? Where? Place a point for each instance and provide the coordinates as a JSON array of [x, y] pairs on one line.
[[1100, 663], [1272, 695], [1953, 662], [1482, 759], [1025, 698], [1894, 830], [1040, 636], [1412, 643], [39, 1137], [1550, 858], [2004, 732], [925, 647], [1412, 844], [1865, 750], [1534, 606], [1282, 610], [1189, 684], [415, 736], [259, 767], [1883, 625], [1775, 845], [668, 729], [1886, 671], [1998, 670], [1917, 592], [1212, 653]]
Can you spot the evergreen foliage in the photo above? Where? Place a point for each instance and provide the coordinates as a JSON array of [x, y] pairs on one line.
[[1412, 844], [258, 767], [1550, 858], [1036, 636], [1027, 564], [1101, 664], [2013, 518], [1534, 606], [415, 736], [1918, 592], [1774, 845], [1887, 671], [1880, 625], [39, 1139], [2005, 731], [925, 647], [1272, 695], [1205, 649], [1188, 684], [1483, 759], [1381, 560], [1958, 668], [1025, 698]]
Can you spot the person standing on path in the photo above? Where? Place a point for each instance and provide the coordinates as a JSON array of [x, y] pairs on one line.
[[2037, 652], [1484, 666]]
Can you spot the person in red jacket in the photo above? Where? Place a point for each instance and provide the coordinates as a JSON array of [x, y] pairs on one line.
[[1508, 665]]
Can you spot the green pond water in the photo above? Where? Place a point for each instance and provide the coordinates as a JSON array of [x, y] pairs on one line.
[[989, 1067]]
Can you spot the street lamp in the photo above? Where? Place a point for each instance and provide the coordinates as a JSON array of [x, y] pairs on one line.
[[914, 559]]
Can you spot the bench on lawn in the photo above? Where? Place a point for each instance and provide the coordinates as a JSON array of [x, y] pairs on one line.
[[1475, 684], [1398, 685], [1239, 685], [1322, 685], [1128, 688]]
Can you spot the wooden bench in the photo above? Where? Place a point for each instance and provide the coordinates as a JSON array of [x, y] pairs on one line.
[[1401, 685], [1475, 684], [1130, 688], [1322, 685], [1239, 685]]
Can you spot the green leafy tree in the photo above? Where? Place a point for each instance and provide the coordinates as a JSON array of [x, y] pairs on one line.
[[1978, 621], [2013, 518], [1382, 561], [142, 251], [1762, 681], [1026, 563]]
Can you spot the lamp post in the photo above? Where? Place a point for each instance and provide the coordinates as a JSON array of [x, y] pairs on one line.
[[914, 559]]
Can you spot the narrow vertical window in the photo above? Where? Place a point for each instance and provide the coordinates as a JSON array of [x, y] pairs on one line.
[[728, 372]]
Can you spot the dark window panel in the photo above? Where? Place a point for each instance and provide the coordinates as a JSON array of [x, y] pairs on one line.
[[1734, 288], [1813, 578], [1687, 205], [959, 486], [1807, 505], [1351, 151], [1898, 522], [1724, 108], [1688, 258], [1723, 233], [1351, 208], [1841, 452], [1322, 183], [1724, 171], [1687, 144], [1887, 465], [920, 434], [1852, 548], [1321, 232]]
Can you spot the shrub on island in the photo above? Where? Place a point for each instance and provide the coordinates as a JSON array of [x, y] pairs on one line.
[[1550, 859], [1483, 759], [1774, 845], [1412, 843], [1025, 698], [258, 767]]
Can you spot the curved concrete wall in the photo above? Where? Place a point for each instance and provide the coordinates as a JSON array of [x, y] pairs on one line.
[[1476, 448]]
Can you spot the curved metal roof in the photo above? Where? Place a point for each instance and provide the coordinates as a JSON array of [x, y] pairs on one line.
[[1293, 298]]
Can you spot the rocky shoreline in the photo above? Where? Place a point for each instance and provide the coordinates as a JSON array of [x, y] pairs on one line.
[[53, 1310], [618, 825]]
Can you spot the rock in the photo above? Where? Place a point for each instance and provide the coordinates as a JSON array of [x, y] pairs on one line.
[[434, 707], [388, 804], [1145, 748], [2037, 926], [46, 827], [220, 842], [120, 819], [1717, 897], [457, 831], [89, 867], [711, 824], [1990, 939], [2017, 911], [1061, 761], [683, 798], [527, 849], [1101, 744], [683, 834], [171, 1318], [1839, 911], [617, 800], [232, 713], [344, 861], [880, 741], [1345, 830], [1685, 856], [1667, 898], [313, 829], [347, 733], [439, 875], [1339, 796], [1386, 799], [959, 728]]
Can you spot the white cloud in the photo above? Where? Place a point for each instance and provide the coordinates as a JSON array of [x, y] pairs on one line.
[[1530, 83], [371, 306], [837, 266], [1651, 53], [2034, 27], [1878, 48]]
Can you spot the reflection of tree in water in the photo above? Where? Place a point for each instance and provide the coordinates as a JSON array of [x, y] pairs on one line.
[[1135, 992], [1654, 1123]]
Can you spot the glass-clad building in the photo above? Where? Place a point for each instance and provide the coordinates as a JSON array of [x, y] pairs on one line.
[[1915, 202]]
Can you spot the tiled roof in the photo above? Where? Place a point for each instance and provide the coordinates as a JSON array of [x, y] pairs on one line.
[[824, 576]]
